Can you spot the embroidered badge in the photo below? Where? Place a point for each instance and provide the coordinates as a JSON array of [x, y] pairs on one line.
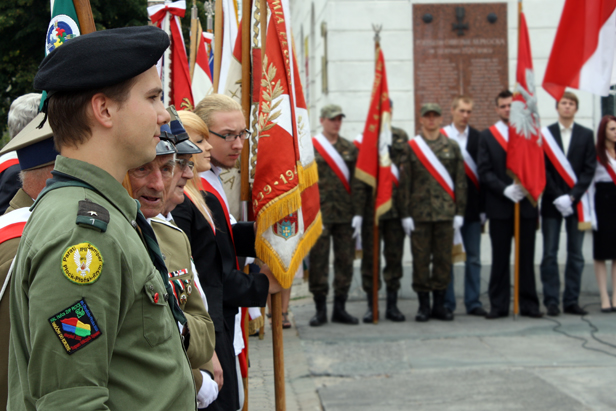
[[82, 263], [92, 215], [75, 326]]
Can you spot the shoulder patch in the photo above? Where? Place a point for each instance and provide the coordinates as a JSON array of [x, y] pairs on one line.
[[75, 326], [92, 215], [82, 263]]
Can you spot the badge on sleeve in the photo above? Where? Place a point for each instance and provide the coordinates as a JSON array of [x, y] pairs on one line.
[[82, 263], [75, 326]]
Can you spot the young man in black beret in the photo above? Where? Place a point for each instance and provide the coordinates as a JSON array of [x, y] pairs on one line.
[[93, 318]]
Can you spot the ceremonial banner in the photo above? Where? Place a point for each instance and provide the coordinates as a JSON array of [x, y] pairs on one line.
[[202, 84], [373, 162], [525, 158], [64, 24], [229, 35], [582, 56], [395, 172], [285, 198]]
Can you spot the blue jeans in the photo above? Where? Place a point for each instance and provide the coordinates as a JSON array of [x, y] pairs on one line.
[[471, 236], [549, 263]]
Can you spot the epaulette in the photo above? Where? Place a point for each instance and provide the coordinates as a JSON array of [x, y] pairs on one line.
[[92, 215]]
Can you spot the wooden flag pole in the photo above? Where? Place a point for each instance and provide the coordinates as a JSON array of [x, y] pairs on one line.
[[218, 22], [516, 229], [375, 237], [84, 15], [194, 40]]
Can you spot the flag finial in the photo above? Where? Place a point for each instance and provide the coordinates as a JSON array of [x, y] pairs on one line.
[[377, 32]]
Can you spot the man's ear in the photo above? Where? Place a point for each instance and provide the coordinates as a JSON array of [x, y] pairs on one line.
[[102, 110]]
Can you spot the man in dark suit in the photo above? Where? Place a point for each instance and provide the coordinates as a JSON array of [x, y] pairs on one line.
[[559, 201], [501, 195], [474, 216]]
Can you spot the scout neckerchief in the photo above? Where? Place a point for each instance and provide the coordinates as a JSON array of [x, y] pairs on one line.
[[333, 159], [60, 180], [12, 226], [469, 164], [395, 172], [7, 160], [500, 131], [563, 167]]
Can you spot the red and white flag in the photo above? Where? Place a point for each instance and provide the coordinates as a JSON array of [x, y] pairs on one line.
[[525, 158], [229, 35], [395, 172], [373, 162], [582, 56], [202, 84]]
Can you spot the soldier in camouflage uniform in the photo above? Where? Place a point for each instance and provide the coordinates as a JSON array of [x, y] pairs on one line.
[[337, 213], [433, 213], [390, 231]]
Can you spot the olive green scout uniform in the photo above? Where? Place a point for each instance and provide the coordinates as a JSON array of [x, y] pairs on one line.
[[91, 327]]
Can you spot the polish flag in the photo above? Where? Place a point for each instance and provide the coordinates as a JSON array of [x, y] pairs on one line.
[[202, 76], [582, 56]]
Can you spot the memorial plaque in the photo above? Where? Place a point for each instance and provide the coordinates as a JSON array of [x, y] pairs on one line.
[[460, 49]]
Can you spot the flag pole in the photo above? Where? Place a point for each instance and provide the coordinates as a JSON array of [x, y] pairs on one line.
[[516, 222], [375, 235], [194, 41], [218, 22], [84, 15]]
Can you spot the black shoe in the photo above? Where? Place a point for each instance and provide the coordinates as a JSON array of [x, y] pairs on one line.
[[438, 307], [493, 314], [608, 310], [320, 317], [535, 313], [478, 311], [392, 313], [423, 313], [575, 309], [553, 310], [368, 317], [339, 314]]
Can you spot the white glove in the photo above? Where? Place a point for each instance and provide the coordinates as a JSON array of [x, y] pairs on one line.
[[408, 225], [593, 221], [564, 205], [515, 192], [208, 391], [483, 218], [458, 222], [356, 224]]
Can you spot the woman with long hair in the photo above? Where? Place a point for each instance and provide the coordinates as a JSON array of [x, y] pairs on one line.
[[604, 218]]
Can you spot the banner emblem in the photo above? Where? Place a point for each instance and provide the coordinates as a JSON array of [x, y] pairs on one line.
[[287, 227], [61, 28]]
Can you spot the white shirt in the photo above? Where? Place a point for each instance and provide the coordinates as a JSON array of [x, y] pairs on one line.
[[461, 138], [601, 175], [565, 136]]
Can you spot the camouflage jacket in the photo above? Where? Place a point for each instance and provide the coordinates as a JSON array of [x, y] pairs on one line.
[[364, 204], [336, 202], [421, 196]]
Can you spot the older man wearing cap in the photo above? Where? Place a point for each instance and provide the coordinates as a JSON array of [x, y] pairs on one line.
[[433, 186], [336, 158], [94, 322], [34, 149]]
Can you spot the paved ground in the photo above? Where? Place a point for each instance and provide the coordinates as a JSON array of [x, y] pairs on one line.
[[468, 364]]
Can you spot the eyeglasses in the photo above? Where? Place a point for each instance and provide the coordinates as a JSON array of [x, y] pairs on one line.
[[183, 163], [231, 137]]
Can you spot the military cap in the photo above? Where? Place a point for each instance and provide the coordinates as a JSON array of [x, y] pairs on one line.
[[101, 59], [34, 146], [165, 147], [177, 128], [331, 111], [188, 147], [431, 107], [166, 134]]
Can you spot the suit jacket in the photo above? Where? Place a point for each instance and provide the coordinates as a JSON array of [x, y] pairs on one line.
[[492, 169], [9, 185], [583, 159], [475, 200]]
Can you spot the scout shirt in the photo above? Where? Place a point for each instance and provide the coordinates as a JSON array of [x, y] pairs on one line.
[[90, 324], [336, 202], [8, 249], [422, 197], [176, 251]]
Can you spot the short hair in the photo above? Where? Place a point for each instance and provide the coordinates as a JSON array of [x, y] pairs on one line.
[[456, 100], [23, 110], [67, 112], [570, 96], [215, 103], [502, 94]]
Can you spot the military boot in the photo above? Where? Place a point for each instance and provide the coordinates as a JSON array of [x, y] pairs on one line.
[[392, 313], [320, 317], [339, 315], [369, 314], [423, 313], [438, 307]]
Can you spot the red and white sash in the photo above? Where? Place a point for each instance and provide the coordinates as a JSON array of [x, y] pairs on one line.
[[500, 131], [561, 163], [12, 226], [395, 172], [7, 160], [609, 168], [470, 167], [433, 165], [213, 185], [333, 159]]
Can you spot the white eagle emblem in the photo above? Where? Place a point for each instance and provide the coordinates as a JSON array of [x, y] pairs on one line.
[[83, 267], [525, 115]]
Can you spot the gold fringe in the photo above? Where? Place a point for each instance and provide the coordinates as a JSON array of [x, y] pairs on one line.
[[457, 254], [584, 225], [255, 325], [365, 177], [266, 252], [277, 209], [385, 207], [359, 254], [308, 176]]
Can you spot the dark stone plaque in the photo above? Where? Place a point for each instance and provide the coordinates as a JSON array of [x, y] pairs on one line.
[[460, 49]]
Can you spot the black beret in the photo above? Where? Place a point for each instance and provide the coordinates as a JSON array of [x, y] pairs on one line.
[[101, 59]]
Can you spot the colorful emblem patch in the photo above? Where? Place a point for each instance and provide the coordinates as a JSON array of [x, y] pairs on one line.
[[61, 28], [287, 227], [75, 327], [82, 263]]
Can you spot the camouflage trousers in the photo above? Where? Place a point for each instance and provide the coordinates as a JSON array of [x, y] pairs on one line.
[[392, 237], [344, 253], [431, 242]]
